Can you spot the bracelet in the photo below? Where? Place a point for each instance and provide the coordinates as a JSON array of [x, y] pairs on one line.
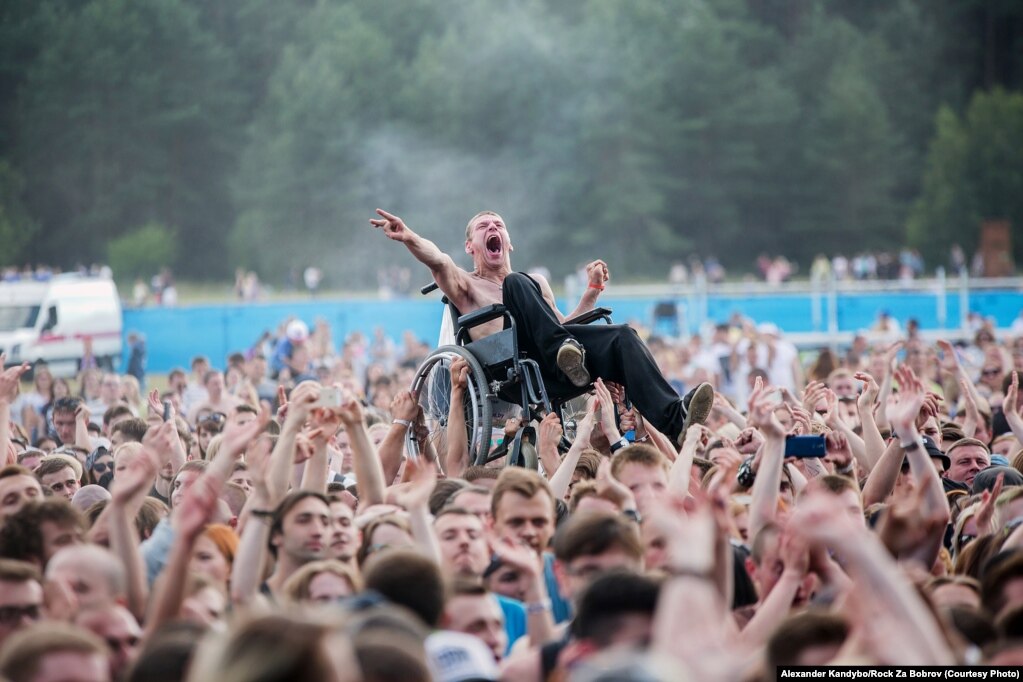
[[403, 422], [598, 287], [538, 607], [619, 444], [642, 439], [262, 513]]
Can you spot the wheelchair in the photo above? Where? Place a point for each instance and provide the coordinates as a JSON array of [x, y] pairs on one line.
[[500, 379]]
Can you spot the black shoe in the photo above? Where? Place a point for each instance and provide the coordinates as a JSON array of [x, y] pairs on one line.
[[697, 403], [572, 361]]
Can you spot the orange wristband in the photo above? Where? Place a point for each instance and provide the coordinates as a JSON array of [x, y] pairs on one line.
[[596, 286]]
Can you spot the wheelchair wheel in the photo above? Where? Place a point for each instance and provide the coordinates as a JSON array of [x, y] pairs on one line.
[[432, 385]]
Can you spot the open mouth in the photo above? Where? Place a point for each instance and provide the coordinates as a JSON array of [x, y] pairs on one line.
[[494, 245]]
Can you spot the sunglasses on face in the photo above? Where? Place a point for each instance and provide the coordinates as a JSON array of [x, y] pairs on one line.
[[101, 468]]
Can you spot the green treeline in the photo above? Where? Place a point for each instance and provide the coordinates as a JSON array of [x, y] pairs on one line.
[[262, 133]]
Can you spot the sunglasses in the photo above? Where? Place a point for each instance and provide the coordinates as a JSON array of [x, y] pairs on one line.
[[215, 417], [991, 372], [102, 467]]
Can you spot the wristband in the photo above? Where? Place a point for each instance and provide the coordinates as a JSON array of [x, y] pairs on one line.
[[688, 572], [619, 444], [403, 422], [910, 446], [598, 287], [538, 607], [632, 515], [262, 513]]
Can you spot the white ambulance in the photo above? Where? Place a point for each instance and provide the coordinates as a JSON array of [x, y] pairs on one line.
[[52, 322]]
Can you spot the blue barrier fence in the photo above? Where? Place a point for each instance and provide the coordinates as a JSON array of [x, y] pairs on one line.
[[175, 335]]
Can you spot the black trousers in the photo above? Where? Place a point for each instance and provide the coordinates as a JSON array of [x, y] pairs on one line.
[[613, 353]]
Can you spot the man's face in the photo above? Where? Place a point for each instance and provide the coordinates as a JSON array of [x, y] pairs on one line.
[[243, 478], [463, 545], [62, 483], [64, 425], [55, 667], [576, 575], [488, 242], [852, 506], [844, 387], [529, 519], [967, 460], [647, 483], [21, 604], [480, 616], [119, 629], [344, 537], [327, 587], [182, 482], [215, 384], [56, 538], [305, 531], [110, 389], [86, 580], [930, 429], [16, 491]]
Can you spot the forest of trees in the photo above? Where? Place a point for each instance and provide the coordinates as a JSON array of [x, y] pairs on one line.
[[262, 133]]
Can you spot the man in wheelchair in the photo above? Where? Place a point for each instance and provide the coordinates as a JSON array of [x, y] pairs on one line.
[[568, 354]]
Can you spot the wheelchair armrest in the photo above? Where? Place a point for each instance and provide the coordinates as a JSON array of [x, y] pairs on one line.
[[484, 314], [590, 316]]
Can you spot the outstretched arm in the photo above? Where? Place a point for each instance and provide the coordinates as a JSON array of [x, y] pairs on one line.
[[451, 279]]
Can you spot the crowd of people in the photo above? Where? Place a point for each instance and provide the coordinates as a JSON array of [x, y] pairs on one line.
[[244, 524], [716, 509]]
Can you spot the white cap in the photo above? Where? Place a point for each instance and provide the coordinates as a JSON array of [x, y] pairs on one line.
[[297, 331], [458, 657], [768, 329]]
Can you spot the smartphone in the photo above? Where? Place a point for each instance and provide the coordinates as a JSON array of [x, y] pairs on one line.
[[166, 410], [805, 446], [329, 397]]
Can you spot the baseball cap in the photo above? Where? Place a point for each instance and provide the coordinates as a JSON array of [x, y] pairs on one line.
[[458, 657], [935, 452]]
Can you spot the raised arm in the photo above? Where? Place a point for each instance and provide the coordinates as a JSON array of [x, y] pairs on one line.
[[369, 477], [1010, 408], [596, 278], [135, 480], [562, 478], [392, 448], [415, 498], [451, 279], [764, 504], [10, 383]]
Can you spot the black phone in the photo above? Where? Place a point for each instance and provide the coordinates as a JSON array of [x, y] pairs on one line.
[[805, 446], [166, 410]]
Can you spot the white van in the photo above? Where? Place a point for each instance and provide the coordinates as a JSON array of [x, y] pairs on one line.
[[51, 321]]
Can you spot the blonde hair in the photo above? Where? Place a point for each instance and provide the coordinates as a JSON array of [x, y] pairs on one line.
[[468, 226]]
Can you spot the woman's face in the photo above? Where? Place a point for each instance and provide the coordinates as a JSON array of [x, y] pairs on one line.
[[44, 382], [328, 587], [208, 561], [61, 389], [102, 465]]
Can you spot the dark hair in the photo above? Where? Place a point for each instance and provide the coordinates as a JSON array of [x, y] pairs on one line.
[[287, 504], [134, 429], [167, 653], [115, 411], [67, 404], [592, 533], [610, 598], [801, 632], [1000, 572], [480, 473], [409, 579], [51, 465], [442, 492], [21, 535]]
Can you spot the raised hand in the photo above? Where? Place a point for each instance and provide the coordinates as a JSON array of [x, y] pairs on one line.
[[10, 379], [196, 507], [904, 408], [597, 274], [516, 555], [459, 370], [607, 411], [986, 511], [404, 406], [549, 432], [392, 226], [761, 412], [162, 440], [838, 450], [138, 475], [351, 412], [422, 479], [1010, 403], [611, 488], [868, 396]]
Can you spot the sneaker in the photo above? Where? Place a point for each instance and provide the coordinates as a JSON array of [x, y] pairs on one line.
[[572, 361], [697, 403]]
